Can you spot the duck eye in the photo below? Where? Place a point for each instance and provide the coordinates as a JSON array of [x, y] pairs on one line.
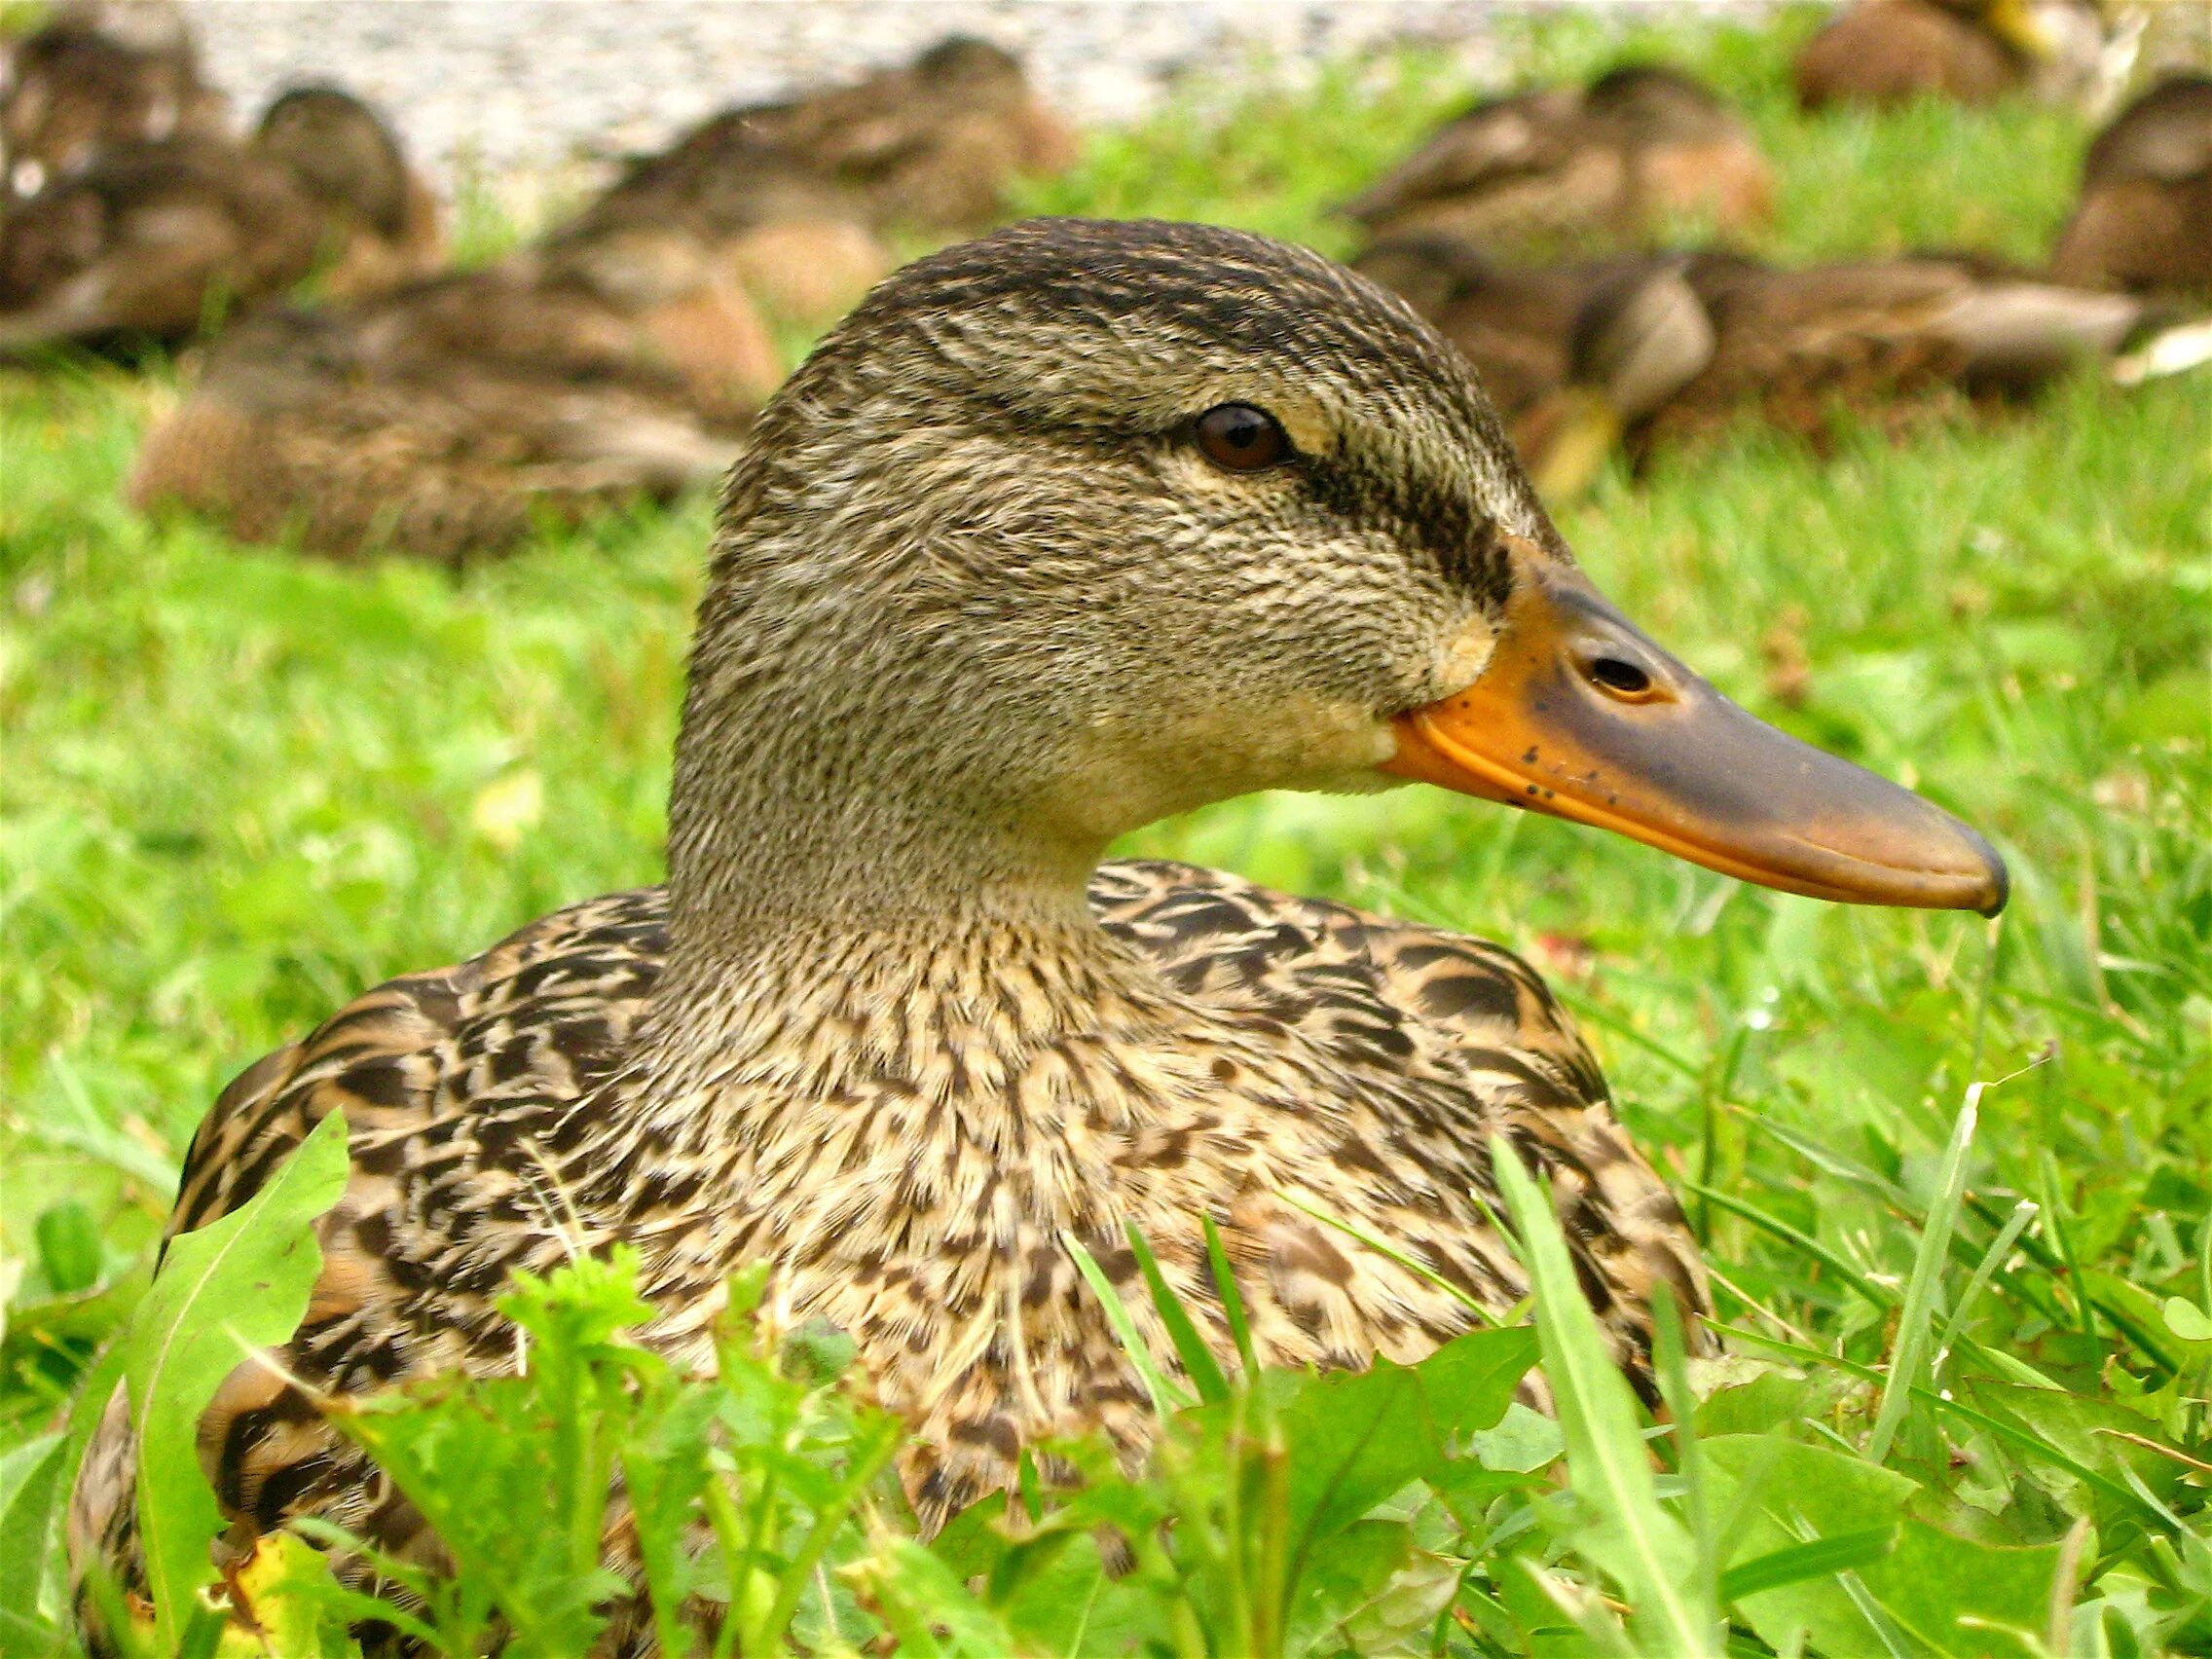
[[1241, 439]]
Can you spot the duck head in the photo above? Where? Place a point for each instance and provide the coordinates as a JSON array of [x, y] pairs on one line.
[[1084, 523], [341, 151]]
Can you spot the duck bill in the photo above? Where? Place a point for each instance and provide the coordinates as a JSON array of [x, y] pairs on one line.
[[1580, 716]]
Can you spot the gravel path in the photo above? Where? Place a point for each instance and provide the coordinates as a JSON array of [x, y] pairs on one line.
[[528, 91]]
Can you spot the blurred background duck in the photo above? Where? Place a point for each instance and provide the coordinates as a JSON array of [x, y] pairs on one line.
[[933, 147], [95, 74], [448, 420], [1617, 162], [1514, 324], [152, 240], [803, 198], [1063, 530], [1681, 344], [381, 221], [1889, 52], [2144, 221]]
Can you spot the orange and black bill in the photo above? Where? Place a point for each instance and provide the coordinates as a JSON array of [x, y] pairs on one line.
[[1580, 716]]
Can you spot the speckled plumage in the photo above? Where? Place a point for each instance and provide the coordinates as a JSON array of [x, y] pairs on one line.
[[976, 608]]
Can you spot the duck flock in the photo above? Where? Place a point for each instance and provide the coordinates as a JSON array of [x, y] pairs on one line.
[[356, 393]]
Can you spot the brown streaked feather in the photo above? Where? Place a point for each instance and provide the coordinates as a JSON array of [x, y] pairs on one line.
[[466, 1092]]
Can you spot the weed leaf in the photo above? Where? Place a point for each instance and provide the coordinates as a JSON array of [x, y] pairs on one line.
[[237, 1284]]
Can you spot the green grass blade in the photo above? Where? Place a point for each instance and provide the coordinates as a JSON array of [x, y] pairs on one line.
[[1822, 1558], [1632, 1537], [1992, 1259], [1232, 1300], [1916, 1319], [1166, 1397], [1801, 1241], [1198, 1362], [1671, 1361]]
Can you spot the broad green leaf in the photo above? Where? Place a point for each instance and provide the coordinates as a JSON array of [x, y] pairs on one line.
[[1063, 1600], [1951, 1594], [1401, 1616], [2187, 1320], [1343, 1579], [68, 1247], [1523, 1441], [1353, 1438], [237, 1284], [929, 1609], [283, 1589], [1962, 1597], [31, 1489], [2093, 1434], [1625, 1531], [1799, 1496]]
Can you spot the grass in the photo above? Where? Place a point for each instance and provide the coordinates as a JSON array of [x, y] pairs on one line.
[[241, 786]]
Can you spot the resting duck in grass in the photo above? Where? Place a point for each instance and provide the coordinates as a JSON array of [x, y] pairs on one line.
[[155, 240], [95, 76], [2145, 218], [1514, 324], [380, 218], [1666, 348], [799, 197], [1060, 532], [1890, 52], [450, 419], [1566, 170]]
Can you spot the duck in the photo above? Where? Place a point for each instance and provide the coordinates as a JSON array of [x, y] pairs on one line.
[[96, 75], [381, 218], [1890, 52], [1563, 170], [154, 239], [1681, 345], [452, 418], [2143, 222], [805, 197], [1514, 324], [931, 147], [1061, 530]]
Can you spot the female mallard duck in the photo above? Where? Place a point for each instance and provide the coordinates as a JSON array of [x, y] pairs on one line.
[[1514, 324], [1551, 171], [1676, 345], [95, 76], [798, 195], [152, 240], [930, 147], [2145, 218], [1062, 531], [380, 218], [1889, 52], [452, 417]]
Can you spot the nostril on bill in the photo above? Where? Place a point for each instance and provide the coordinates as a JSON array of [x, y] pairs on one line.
[[1620, 677]]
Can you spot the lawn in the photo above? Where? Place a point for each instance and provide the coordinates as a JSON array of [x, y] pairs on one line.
[[243, 785]]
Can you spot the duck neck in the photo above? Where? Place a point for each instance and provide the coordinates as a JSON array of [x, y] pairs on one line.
[[854, 903]]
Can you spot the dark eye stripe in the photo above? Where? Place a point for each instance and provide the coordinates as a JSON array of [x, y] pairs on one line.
[[1240, 438]]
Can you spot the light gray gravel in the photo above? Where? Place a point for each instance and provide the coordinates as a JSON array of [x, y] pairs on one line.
[[539, 95]]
